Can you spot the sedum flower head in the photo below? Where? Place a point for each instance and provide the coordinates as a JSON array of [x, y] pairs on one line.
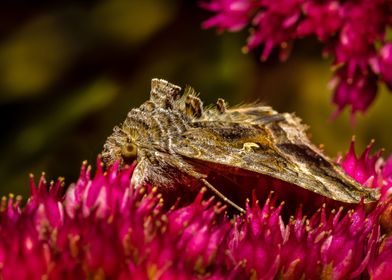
[[351, 32], [101, 227], [231, 15], [384, 64]]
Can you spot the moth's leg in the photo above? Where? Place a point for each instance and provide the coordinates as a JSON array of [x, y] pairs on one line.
[[222, 196], [138, 175], [198, 176]]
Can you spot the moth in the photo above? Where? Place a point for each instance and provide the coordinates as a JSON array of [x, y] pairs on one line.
[[176, 140]]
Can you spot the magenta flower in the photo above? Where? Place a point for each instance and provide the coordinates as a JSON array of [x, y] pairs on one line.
[[384, 64], [358, 92], [350, 30], [323, 18], [233, 15], [275, 25], [101, 227]]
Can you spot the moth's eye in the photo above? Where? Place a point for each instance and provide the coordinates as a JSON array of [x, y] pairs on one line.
[[129, 152]]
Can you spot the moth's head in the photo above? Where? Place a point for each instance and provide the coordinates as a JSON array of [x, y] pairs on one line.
[[128, 152], [119, 146]]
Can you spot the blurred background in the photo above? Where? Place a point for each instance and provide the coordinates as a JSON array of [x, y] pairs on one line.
[[71, 70]]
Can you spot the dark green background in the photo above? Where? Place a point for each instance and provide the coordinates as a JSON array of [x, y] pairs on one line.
[[69, 72]]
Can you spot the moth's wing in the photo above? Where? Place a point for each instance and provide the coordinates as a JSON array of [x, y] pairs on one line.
[[250, 114], [275, 145]]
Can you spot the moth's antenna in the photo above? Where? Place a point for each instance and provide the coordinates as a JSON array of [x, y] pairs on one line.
[[221, 196]]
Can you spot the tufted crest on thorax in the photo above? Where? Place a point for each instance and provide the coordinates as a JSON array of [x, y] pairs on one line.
[[171, 97], [164, 94]]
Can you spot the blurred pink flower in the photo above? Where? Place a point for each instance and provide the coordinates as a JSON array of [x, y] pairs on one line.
[[322, 18], [101, 227], [232, 14], [385, 64], [357, 92], [350, 30]]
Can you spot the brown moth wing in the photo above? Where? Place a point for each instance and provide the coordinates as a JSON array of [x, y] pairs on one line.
[[260, 140]]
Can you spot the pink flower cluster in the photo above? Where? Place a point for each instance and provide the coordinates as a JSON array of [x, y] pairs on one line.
[[353, 31], [102, 228]]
